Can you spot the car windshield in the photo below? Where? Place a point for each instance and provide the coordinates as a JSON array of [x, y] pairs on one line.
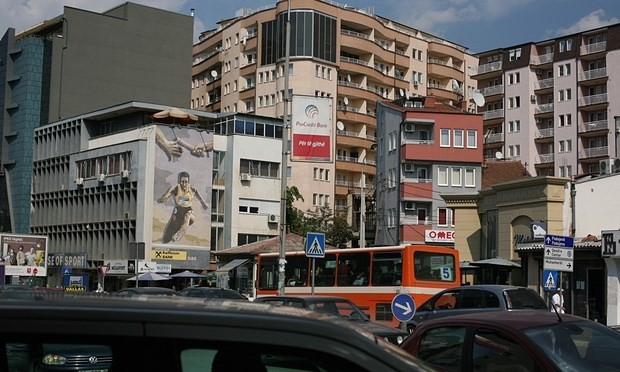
[[577, 346], [343, 309], [524, 298]]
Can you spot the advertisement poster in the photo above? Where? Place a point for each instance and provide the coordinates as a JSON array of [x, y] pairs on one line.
[[311, 129], [182, 187], [24, 255]]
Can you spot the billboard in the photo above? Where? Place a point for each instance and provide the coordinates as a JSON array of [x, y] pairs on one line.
[[182, 187], [24, 255], [311, 129]]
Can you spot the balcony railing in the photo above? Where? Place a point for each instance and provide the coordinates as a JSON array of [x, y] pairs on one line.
[[545, 158], [541, 60], [594, 152], [544, 84], [593, 48], [414, 220], [489, 67], [543, 133], [592, 126], [541, 109], [356, 34], [353, 60], [495, 137], [489, 91], [493, 114], [593, 99], [593, 74]]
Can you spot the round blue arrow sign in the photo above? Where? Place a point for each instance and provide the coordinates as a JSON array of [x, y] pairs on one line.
[[403, 307]]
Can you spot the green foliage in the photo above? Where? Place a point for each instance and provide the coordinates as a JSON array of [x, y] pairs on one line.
[[335, 227]]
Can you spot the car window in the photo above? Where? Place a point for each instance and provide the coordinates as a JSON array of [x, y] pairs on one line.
[[471, 299], [490, 300], [446, 301], [494, 351], [524, 298], [443, 347]]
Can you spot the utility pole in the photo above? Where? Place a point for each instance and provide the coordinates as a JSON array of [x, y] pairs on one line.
[[284, 171]]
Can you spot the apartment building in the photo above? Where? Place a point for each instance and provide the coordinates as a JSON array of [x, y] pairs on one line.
[[352, 56], [549, 104], [77, 62], [426, 149]]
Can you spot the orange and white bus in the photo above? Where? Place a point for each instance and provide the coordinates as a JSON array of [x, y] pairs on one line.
[[370, 277]]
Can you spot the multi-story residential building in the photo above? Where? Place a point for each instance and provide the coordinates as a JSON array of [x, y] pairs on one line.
[[425, 149], [79, 62], [549, 103], [352, 56]]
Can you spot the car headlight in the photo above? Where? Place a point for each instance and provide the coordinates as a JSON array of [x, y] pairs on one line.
[[54, 359], [399, 340]]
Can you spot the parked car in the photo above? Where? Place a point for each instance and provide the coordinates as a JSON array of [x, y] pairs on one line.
[[149, 291], [340, 307], [477, 298], [212, 293], [152, 333], [516, 341]]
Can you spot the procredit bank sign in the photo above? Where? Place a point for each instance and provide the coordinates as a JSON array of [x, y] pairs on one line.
[[439, 236]]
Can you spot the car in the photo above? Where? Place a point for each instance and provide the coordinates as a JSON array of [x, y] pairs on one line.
[[149, 291], [212, 293], [152, 333], [527, 340], [477, 298], [340, 307]]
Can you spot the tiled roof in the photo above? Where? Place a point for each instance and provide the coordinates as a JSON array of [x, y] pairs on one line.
[[294, 243], [498, 171]]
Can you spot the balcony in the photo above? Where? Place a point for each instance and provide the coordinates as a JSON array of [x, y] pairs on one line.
[[494, 138], [593, 74], [593, 48], [545, 158], [490, 91], [594, 152], [593, 99], [544, 108], [543, 84], [544, 133], [493, 114], [488, 68], [541, 60], [593, 126]]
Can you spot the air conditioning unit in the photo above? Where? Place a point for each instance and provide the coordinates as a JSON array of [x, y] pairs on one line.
[[125, 174], [409, 127], [533, 98], [272, 218], [79, 181], [409, 206], [246, 177], [101, 177], [605, 167], [409, 167]]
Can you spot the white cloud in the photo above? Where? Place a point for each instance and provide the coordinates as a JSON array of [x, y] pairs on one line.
[[595, 19]]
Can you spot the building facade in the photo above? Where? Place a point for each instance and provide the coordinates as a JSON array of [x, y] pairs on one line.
[[425, 149], [79, 62], [351, 56], [549, 103]]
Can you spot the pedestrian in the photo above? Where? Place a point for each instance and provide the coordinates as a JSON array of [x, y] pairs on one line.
[[557, 301], [21, 256]]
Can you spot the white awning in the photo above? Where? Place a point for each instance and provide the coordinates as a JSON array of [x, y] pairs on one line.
[[231, 265]]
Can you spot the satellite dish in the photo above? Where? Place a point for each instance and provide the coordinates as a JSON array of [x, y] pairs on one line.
[[499, 155], [401, 92], [407, 93], [478, 99], [213, 74], [349, 78], [340, 125], [346, 101]]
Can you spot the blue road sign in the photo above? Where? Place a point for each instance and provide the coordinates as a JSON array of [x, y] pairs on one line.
[[315, 245], [550, 280], [559, 241], [403, 307]]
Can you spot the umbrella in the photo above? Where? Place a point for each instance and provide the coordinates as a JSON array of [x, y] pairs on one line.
[[149, 276], [496, 262], [186, 274], [174, 115]]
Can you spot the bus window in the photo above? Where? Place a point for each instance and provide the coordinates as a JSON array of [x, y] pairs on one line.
[[353, 269], [434, 266], [296, 271], [387, 268], [325, 271]]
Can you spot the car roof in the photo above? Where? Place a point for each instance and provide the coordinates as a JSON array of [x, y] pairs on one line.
[[148, 289], [509, 319], [305, 298], [488, 287], [100, 317]]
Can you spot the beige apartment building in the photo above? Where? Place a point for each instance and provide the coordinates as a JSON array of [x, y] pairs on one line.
[[351, 55]]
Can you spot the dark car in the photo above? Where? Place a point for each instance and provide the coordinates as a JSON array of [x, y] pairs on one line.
[[212, 293], [340, 307], [477, 298], [152, 333], [149, 291], [516, 341]]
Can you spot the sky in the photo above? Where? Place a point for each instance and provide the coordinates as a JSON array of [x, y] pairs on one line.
[[479, 25]]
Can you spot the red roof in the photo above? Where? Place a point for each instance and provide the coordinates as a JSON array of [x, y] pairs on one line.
[[294, 243], [498, 171]]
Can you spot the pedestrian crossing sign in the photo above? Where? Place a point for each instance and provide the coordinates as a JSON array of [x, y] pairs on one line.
[[315, 245], [550, 280]]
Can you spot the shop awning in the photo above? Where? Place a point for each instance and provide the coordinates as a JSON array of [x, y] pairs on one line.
[[231, 265]]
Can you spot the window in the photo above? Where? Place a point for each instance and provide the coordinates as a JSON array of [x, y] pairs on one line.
[[458, 137], [514, 54], [442, 176], [260, 168], [470, 177], [442, 217], [514, 126], [489, 351], [472, 139], [456, 176], [435, 344], [445, 138]]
